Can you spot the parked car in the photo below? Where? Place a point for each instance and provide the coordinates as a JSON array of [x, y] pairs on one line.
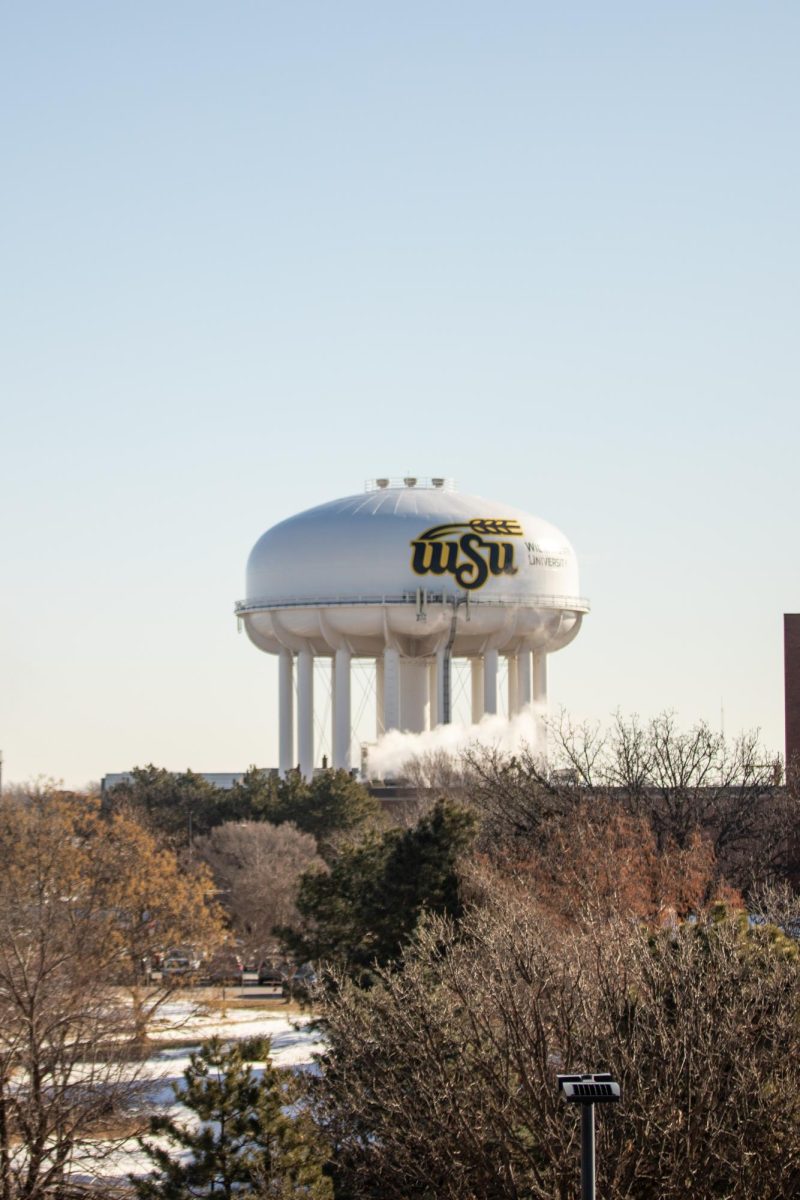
[[224, 967], [179, 961], [176, 964], [302, 984], [272, 974]]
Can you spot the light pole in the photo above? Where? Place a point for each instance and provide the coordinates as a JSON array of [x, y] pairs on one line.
[[588, 1090]]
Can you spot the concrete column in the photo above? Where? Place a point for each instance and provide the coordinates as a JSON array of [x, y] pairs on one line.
[[391, 689], [513, 685], [524, 692], [540, 678], [476, 673], [341, 710], [305, 712], [286, 759], [333, 711], [435, 706], [540, 699], [490, 662], [414, 707], [379, 723]]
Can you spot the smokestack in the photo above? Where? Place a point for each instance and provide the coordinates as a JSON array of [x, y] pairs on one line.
[[791, 689]]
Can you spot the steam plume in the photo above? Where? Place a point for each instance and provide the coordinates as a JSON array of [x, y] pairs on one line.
[[392, 753]]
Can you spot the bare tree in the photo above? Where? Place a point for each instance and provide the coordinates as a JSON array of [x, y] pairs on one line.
[[440, 1081], [517, 796], [776, 904], [257, 868], [63, 1036], [683, 783]]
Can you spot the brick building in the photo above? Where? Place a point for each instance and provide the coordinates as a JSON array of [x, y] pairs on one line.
[[791, 670]]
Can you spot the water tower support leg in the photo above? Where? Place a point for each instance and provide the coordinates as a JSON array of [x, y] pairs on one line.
[[305, 712], [414, 713], [490, 663], [524, 690], [285, 711], [434, 670], [333, 712], [341, 710], [540, 678], [540, 697], [391, 689], [513, 685], [380, 727], [476, 673]]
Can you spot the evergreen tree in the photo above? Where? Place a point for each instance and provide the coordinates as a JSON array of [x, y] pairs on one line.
[[367, 906], [334, 803], [252, 798], [330, 804], [182, 807], [244, 1146], [178, 806]]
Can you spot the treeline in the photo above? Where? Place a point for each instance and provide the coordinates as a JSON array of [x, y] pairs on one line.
[[314, 869], [184, 805], [626, 906]]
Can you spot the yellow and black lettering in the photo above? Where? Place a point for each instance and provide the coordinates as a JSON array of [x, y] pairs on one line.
[[467, 557], [438, 558]]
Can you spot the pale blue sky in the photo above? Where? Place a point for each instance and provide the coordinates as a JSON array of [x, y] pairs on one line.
[[254, 253]]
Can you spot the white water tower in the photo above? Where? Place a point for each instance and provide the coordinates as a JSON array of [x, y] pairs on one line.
[[411, 574]]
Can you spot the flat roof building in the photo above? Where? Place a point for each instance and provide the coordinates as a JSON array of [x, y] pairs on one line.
[[791, 688]]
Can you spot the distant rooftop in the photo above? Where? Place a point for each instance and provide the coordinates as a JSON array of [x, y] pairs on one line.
[[220, 779]]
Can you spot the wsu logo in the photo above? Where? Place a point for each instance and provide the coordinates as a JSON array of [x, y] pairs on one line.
[[461, 551]]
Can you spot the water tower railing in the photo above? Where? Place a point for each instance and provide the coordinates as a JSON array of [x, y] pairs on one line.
[[565, 603]]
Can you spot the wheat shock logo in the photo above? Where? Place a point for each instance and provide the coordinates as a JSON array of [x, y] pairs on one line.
[[461, 550]]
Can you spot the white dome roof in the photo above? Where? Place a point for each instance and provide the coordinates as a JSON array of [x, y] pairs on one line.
[[387, 542]]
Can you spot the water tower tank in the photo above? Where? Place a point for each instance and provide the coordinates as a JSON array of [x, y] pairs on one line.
[[410, 573]]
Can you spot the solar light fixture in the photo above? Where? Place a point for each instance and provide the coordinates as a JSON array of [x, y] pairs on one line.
[[588, 1090]]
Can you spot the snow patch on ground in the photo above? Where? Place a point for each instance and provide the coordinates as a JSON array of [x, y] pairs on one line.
[[294, 1044]]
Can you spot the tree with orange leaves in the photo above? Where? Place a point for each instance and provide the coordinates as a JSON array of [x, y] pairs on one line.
[[154, 903], [82, 902], [598, 857]]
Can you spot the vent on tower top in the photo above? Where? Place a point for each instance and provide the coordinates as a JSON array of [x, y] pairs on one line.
[[441, 482]]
